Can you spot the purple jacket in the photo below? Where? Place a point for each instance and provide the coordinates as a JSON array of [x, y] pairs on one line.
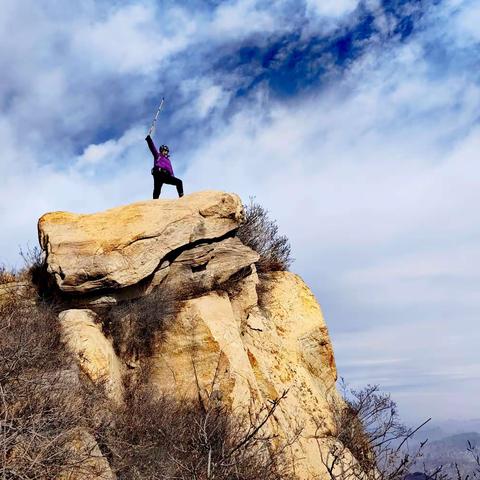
[[159, 161]]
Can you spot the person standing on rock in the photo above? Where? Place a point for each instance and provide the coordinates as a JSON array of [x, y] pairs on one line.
[[162, 170]]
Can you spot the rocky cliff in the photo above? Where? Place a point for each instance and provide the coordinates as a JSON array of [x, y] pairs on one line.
[[233, 337]]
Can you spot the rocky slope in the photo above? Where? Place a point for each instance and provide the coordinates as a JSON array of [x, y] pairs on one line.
[[234, 338]]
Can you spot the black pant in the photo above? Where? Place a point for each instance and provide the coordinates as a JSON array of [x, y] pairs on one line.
[[162, 176]]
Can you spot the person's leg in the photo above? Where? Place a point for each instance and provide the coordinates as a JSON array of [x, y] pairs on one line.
[[171, 180], [179, 185], [157, 185]]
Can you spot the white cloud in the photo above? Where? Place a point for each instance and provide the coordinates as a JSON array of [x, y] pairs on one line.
[[331, 8], [468, 20], [240, 17], [427, 376], [206, 97], [210, 98], [110, 150], [133, 39], [376, 184]]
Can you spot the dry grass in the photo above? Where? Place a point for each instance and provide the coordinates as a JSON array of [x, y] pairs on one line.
[[136, 325], [46, 408], [164, 438], [6, 275], [33, 260], [42, 402], [260, 233]]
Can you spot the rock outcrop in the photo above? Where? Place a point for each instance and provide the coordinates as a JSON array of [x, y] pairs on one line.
[[123, 246], [89, 462], [226, 347], [236, 338], [83, 337]]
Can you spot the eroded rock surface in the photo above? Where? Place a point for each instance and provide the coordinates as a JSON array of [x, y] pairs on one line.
[[228, 348], [235, 338], [82, 334], [201, 268], [89, 462], [202, 354], [123, 246]]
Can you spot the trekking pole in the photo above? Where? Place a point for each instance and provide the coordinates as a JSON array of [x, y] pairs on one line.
[[152, 128]]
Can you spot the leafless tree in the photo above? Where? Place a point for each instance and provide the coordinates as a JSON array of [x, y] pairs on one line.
[[371, 440], [159, 437]]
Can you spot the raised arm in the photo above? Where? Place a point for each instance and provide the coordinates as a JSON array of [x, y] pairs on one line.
[[151, 146]]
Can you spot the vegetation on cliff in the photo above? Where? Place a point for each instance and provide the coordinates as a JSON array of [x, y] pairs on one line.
[[56, 422], [260, 233]]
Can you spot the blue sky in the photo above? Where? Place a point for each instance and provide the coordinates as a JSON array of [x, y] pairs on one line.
[[356, 123]]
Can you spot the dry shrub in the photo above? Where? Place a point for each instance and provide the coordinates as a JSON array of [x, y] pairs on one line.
[[260, 233], [35, 271], [33, 274], [136, 325], [34, 261], [6, 275], [368, 426], [163, 438], [42, 402], [264, 289]]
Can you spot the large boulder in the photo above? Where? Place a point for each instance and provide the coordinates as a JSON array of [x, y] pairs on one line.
[[229, 348], [82, 334], [202, 355], [197, 269], [125, 245], [208, 266], [232, 337]]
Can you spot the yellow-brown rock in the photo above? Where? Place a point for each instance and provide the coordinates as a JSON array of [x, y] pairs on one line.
[[290, 350], [236, 338], [122, 246], [199, 268], [229, 349], [94, 353], [87, 462], [202, 353]]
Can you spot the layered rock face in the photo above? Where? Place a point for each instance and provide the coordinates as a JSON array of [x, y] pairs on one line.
[[236, 338], [121, 247]]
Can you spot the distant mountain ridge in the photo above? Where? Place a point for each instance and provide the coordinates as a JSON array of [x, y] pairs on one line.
[[417, 476], [447, 428], [458, 440], [448, 451]]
